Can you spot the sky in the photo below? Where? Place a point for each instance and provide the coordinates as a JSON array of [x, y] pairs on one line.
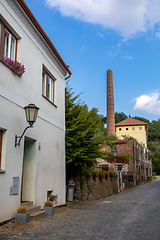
[[93, 36]]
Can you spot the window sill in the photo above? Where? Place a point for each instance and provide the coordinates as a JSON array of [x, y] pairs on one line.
[[49, 101], [1, 171], [15, 72]]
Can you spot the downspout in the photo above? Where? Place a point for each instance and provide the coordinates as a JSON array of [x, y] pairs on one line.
[[68, 76]]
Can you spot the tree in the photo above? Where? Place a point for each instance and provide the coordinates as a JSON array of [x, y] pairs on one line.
[[82, 148], [142, 119], [120, 117]]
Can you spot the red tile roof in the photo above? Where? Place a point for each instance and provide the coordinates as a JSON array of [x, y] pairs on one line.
[[130, 122], [44, 35]]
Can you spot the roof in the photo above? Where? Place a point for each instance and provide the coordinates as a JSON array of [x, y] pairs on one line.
[[44, 35], [130, 121]]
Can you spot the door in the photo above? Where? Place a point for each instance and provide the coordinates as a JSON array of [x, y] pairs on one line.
[[29, 170]]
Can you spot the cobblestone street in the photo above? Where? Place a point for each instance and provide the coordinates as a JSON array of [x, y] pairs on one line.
[[131, 214]]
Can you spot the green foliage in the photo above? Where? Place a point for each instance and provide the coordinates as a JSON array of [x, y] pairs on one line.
[[94, 174], [151, 146], [111, 174], [154, 130], [82, 125], [106, 175], [101, 175], [86, 173], [142, 119], [120, 117], [154, 177], [52, 198]]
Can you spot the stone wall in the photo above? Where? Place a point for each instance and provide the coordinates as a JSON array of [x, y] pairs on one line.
[[90, 189]]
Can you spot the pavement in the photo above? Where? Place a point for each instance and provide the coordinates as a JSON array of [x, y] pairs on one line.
[[132, 214]]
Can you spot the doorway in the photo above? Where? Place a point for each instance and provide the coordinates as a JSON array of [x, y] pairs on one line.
[[29, 170]]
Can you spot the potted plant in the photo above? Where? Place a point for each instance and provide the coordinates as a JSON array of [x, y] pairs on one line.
[[48, 208], [52, 198], [22, 214]]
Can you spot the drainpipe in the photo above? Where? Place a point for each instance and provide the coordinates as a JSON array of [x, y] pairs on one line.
[[68, 76], [68, 72]]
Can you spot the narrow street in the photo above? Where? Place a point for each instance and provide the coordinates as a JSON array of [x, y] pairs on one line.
[[131, 214]]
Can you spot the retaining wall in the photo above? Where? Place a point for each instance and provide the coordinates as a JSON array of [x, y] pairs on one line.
[[90, 189]]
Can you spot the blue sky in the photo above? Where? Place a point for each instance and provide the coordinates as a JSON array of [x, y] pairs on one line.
[[93, 36]]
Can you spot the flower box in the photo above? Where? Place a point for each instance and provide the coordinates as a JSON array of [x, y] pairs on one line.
[[22, 217], [14, 66], [49, 210]]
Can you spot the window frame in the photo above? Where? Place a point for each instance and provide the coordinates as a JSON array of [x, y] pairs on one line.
[[4, 29], [48, 89]]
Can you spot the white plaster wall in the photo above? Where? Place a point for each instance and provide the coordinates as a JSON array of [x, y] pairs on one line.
[[48, 131]]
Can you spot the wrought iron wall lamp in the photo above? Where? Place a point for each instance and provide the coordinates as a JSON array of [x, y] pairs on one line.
[[31, 112]]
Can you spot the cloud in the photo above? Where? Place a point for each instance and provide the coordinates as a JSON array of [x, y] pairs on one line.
[[82, 48], [148, 103], [100, 34], [128, 17], [129, 57], [158, 35]]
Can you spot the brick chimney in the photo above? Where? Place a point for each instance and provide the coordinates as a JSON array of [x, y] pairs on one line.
[[110, 105]]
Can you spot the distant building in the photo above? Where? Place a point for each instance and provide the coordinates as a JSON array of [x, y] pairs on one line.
[[134, 128]]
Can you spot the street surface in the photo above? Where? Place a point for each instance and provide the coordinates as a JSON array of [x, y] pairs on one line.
[[131, 214]]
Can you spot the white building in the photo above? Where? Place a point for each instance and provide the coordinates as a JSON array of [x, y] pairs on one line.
[[29, 171]]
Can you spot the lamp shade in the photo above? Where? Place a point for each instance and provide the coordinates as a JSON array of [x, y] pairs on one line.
[[31, 112], [114, 150]]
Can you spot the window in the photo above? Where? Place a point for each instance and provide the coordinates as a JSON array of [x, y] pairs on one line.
[[140, 128], [119, 167], [126, 129], [47, 86], [1, 137], [133, 128], [8, 44], [120, 129], [104, 167]]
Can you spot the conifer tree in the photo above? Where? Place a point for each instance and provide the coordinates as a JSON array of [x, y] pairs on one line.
[[82, 124]]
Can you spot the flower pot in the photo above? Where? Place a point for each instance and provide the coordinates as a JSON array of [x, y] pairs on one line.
[[22, 217], [49, 210]]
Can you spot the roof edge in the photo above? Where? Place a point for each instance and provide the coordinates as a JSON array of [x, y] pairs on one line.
[[44, 35]]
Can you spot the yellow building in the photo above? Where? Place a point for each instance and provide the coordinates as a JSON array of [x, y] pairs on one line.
[[134, 128]]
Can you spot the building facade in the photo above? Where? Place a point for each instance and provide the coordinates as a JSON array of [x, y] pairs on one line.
[[34, 169], [140, 165], [131, 127]]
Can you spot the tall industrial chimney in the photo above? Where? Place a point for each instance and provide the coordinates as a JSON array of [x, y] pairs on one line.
[[110, 105]]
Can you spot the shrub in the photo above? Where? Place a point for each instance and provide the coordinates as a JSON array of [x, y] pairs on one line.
[[106, 175], [111, 175], [101, 175], [52, 198], [94, 174], [22, 209], [48, 204], [87, 173]]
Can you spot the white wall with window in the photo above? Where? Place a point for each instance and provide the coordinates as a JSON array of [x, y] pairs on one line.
[[43, 84]]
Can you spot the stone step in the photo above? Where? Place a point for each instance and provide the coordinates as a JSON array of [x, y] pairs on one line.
[[36, 212], [27, 203], [34, 208], [37, 215]]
